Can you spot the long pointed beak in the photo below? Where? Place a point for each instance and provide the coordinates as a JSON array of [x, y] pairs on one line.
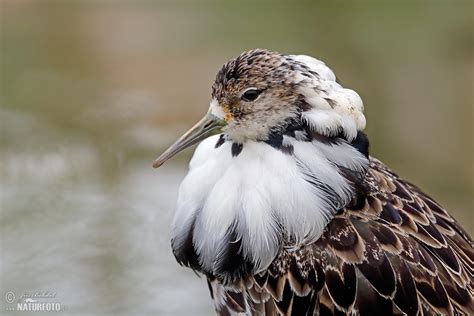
[[207, 126]]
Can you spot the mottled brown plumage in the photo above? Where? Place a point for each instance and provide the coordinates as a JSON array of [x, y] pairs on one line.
[[400, 253]]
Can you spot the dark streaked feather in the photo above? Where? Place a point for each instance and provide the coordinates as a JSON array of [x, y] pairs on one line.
[[406, 297], [220, 141], [236, 149], [185, 253], [231, 260]]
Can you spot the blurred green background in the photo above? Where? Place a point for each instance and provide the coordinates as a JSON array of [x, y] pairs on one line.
[[92, 91]]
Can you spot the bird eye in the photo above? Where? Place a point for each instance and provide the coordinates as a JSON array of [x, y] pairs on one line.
[[250, 95]]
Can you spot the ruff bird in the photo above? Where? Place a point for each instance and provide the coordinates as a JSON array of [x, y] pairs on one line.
[[284, 211]]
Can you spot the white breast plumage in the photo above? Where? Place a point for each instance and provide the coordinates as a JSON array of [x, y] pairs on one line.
[[259, 195]]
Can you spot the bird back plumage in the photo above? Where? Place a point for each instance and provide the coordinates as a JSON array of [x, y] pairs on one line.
[[398, 252]]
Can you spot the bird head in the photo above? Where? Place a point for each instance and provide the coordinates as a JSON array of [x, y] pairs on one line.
[[261, 93]]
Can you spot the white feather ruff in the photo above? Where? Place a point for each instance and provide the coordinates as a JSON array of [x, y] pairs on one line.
[[258, 193], [333, 107]]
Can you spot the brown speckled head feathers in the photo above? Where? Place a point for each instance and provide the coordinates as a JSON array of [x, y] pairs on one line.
[[252, 68]]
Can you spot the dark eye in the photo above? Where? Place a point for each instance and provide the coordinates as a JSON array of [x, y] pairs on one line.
[[250, 95]]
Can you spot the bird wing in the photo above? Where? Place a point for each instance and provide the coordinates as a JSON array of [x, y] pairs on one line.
[[398, 252]]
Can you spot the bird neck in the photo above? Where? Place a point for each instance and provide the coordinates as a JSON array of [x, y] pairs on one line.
[[241, 202]]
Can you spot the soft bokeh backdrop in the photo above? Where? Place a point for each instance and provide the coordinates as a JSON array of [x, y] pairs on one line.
[[92, 91]]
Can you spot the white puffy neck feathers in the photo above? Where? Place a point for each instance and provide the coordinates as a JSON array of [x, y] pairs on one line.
[[242, 201], [333, 108]]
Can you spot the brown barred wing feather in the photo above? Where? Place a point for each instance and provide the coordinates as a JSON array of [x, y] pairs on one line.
[[401, 253]]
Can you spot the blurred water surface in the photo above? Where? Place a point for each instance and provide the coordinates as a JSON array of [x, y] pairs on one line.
[[92, 91]]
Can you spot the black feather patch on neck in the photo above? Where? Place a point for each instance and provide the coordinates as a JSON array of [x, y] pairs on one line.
[[236, 149], [220, 141], [361, 143], [275, 140]]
